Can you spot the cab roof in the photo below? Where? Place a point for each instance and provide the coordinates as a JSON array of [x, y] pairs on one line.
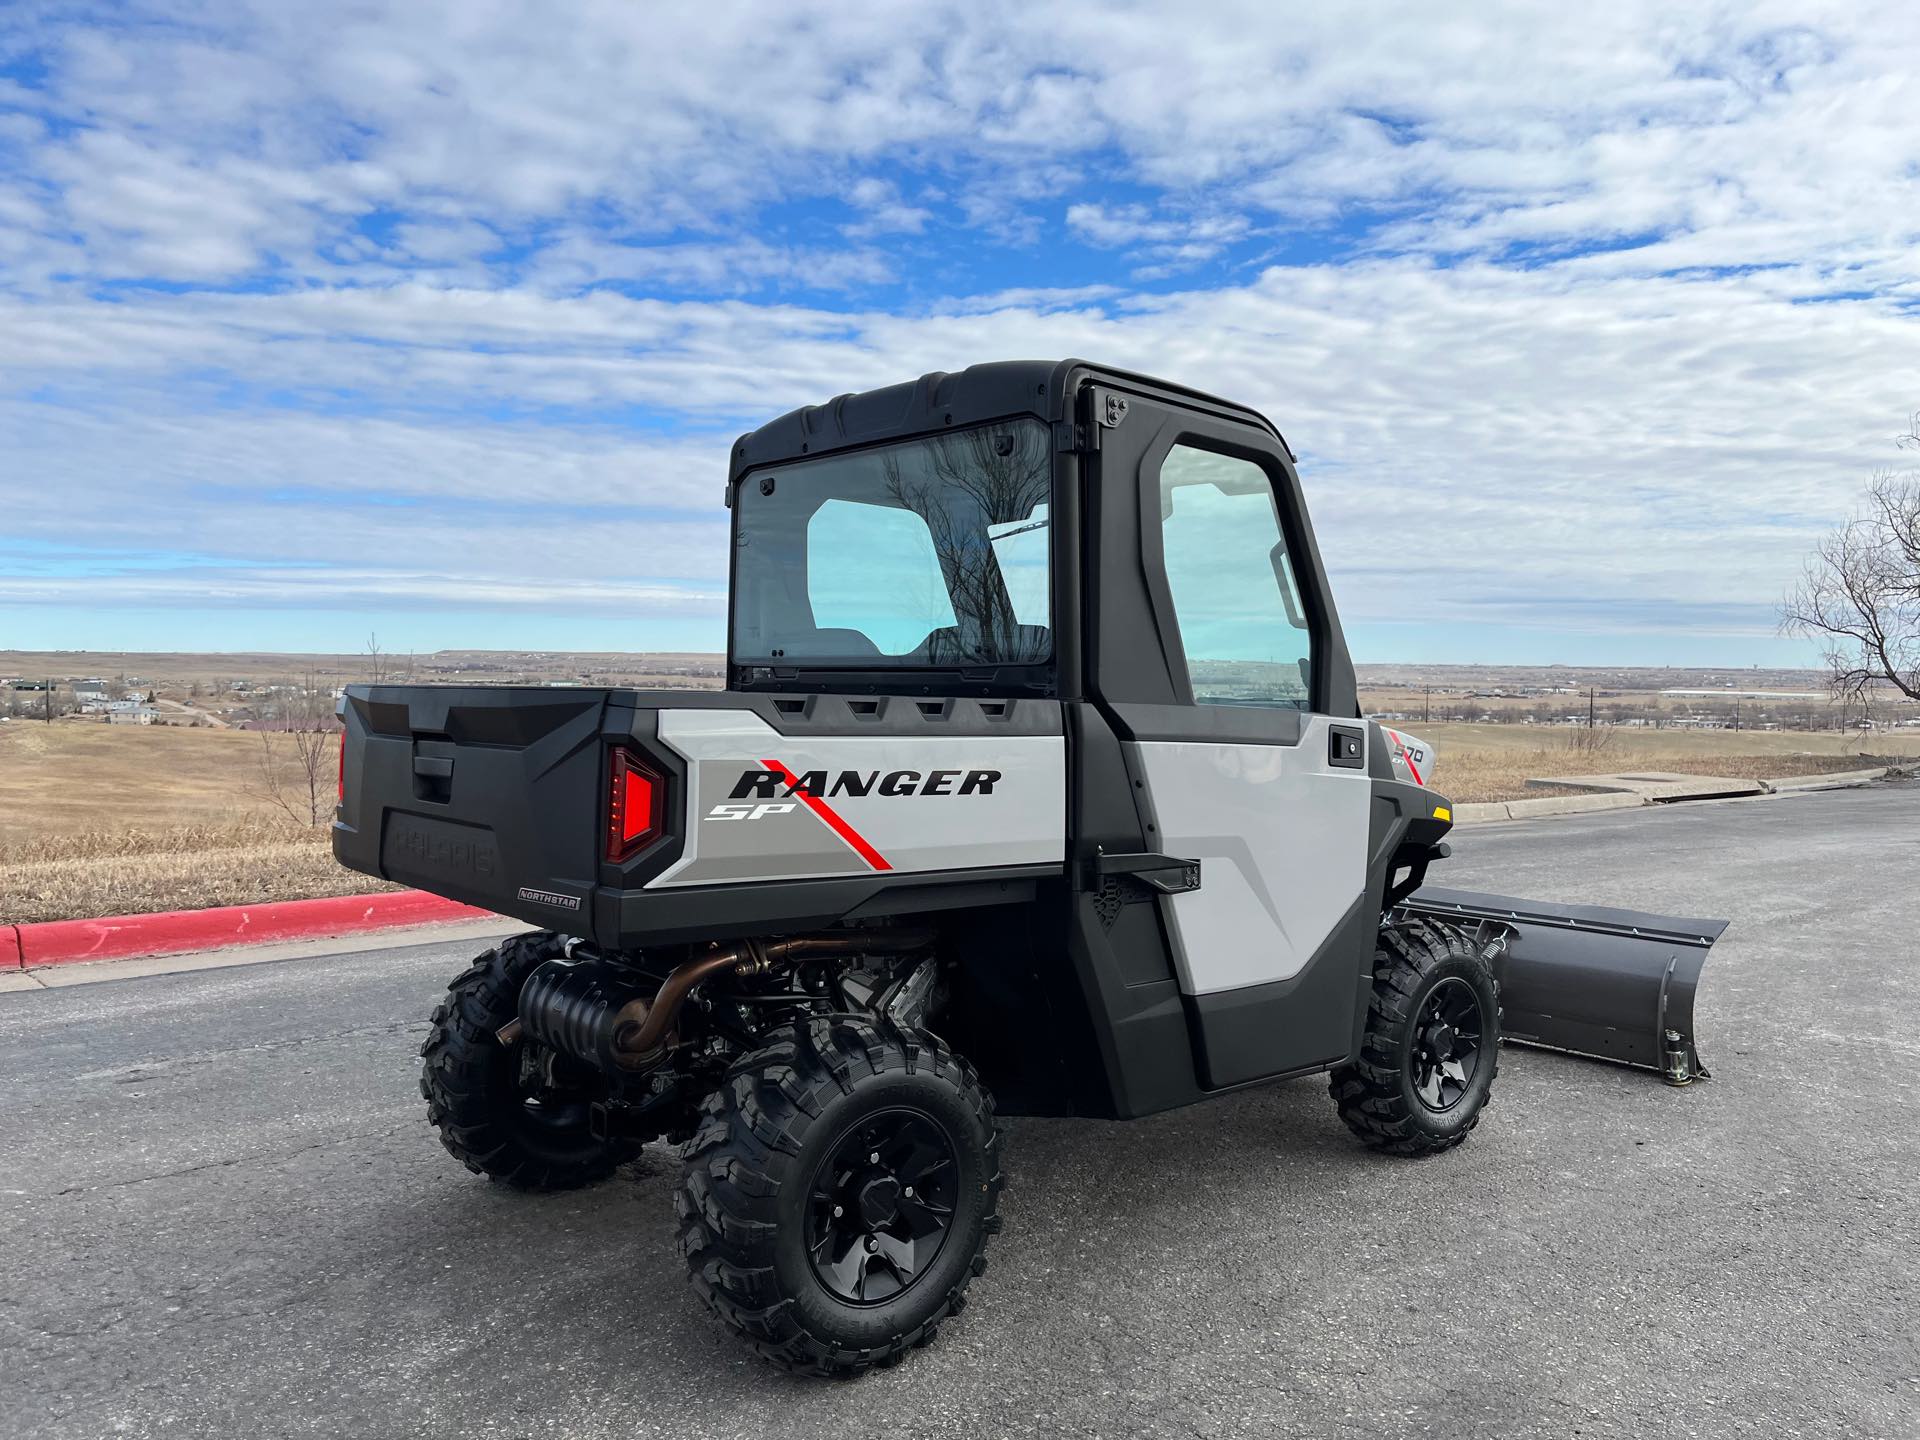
[[1042, 388]]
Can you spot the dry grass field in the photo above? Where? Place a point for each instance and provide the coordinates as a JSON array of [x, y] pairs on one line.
[[79, 776], [1494, 762], [105, 820], [112, 820]]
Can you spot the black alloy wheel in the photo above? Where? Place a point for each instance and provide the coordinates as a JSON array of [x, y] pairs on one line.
[[838, 1196], [1431, 1048], [1445, 1052], [880, 1206]]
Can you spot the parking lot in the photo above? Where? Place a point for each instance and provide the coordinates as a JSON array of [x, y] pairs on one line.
[[225, 1214]]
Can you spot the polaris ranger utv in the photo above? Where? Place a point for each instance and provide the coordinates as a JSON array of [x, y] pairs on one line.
[[1039, 767]]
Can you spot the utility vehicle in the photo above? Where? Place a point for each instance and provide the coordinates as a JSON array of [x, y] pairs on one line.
[[1039, 767]]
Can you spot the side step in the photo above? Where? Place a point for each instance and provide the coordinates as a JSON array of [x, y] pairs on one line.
[[1614, 984]]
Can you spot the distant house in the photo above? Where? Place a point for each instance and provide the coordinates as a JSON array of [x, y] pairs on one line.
[[131, 713]]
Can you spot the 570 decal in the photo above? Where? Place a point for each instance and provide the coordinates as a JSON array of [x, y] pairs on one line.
[[1412, 753]]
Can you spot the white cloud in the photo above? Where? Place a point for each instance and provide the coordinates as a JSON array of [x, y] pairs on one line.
[[1760, 128], [1564, 353], [735, 266], [1169, 243], [1478, 442], [884, 212]]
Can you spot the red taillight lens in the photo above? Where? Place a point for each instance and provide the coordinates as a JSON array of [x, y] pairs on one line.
[[633, 816], [340, 796]]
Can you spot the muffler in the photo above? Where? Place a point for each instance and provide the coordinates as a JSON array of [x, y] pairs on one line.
[[1614, 984], [601, 1013]]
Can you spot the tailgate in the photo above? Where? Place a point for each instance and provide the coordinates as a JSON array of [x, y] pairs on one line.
[[489, 796]]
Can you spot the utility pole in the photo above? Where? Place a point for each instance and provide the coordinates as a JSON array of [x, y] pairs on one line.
[[48, 698], [1429, 716], [1589, 707]]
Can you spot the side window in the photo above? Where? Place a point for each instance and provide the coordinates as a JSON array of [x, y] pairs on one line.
[[1234, 597]]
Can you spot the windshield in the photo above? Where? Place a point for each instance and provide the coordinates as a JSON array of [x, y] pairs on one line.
[[928, 552]]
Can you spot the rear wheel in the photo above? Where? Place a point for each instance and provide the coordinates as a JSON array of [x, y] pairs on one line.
[[1432, 1047], [516, 1113], [839, 1193]]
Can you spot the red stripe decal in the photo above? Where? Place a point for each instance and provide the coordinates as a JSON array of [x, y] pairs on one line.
[[1405, 754], [855, 840]]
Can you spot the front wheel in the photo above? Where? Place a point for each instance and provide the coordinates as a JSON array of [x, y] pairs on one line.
[[1432, 1048], [839, 1193]]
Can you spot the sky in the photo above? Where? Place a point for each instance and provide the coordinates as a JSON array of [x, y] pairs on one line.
[[436, 318]]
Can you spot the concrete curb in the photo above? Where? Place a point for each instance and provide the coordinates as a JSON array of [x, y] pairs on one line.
[[1481, 812], [1658, 786], [98, 972], [1833, 779], [173, 932]]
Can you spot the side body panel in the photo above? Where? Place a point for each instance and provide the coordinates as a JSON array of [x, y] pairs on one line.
[[764, 806]]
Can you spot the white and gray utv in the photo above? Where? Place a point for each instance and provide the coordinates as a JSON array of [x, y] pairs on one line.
[[1039, 767]]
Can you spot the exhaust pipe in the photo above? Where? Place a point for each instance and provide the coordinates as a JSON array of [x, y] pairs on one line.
[[595, 1011], [1614, 984]]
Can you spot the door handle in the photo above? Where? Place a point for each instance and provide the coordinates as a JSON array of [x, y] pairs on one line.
[[1165, 873], [1346, 747]]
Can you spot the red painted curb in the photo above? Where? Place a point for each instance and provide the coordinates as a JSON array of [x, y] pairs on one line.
[[122, 937], [9, 947]]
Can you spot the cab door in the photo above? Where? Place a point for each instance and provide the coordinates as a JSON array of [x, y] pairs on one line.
[[1217, 657]]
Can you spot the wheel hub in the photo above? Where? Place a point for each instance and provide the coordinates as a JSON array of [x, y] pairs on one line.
[[1445, 1051], [880, 1206], [879, 1201]]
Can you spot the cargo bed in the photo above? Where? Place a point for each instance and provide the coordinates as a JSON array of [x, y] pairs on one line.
[[504, 797]]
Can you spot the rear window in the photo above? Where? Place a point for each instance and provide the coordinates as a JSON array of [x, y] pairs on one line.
[[933, 552]]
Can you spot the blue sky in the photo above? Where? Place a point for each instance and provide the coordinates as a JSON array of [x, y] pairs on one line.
[[436, 320]]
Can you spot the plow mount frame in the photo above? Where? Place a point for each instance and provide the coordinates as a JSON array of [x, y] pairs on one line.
[[1590, 980]]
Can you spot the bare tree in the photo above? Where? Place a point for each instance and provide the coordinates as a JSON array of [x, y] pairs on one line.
[[298, 737], [1860, 593], [1590, 739], [378, 666]]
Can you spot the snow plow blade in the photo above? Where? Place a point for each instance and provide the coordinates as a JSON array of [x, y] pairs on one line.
[[1614, 984]]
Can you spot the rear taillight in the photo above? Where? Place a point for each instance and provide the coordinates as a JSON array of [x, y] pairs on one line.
[[633, 806], [340, 796]]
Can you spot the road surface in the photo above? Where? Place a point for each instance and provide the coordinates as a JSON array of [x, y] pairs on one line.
[[224, 1214]]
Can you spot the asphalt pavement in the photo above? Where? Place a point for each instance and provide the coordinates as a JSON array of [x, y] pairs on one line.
[[224, 1214]]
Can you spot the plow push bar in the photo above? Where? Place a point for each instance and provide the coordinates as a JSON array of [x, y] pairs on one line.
[[1615, 984]]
